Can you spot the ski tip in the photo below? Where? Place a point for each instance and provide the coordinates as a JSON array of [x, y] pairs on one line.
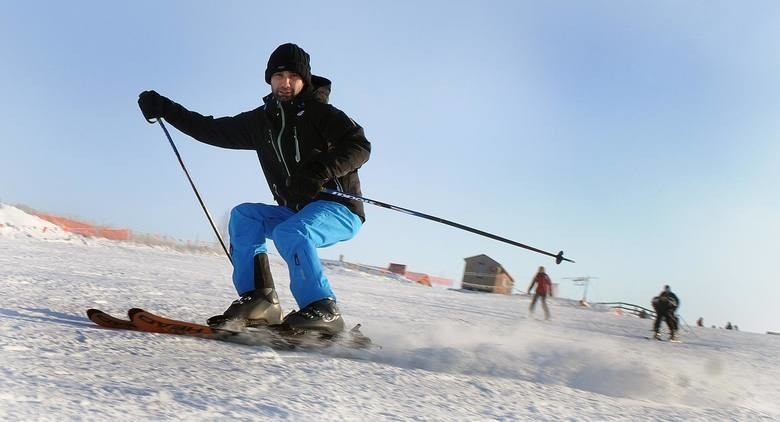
[[93, 311], [132, 311]]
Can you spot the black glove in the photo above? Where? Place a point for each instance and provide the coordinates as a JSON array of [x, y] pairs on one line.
[[305, 184], [153, 105]]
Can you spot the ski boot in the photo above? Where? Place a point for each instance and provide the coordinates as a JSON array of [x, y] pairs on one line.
[[657, 336], [323, 316], [257, 307]]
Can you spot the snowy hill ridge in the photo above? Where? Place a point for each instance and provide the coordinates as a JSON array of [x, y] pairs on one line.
[[17, 223], [446, 355]]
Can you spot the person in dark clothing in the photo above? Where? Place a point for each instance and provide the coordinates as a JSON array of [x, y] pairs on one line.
[[543, 289], [665, 305], [303, 144]]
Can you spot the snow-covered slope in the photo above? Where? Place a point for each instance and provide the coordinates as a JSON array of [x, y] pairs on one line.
[[446, 355], [18, 224]]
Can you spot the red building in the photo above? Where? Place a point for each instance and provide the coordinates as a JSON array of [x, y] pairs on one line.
[[422, 278]]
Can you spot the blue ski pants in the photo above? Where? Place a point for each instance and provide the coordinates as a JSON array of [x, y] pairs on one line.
[[297, 235]]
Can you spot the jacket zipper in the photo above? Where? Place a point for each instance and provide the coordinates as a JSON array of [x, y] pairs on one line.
[[279, 139], [297, 148], [271, 141]]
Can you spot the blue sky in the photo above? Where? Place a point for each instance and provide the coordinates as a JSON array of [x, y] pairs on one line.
[[639, 137]]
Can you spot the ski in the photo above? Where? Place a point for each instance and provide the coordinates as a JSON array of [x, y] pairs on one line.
[[147, 321], [278, 337], [662, 340]]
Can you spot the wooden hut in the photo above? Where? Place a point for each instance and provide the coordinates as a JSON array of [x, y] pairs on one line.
[[483, 273]]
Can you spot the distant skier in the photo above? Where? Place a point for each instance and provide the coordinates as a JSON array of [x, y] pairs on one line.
[[543, 289], [665, 305], [304, 144]]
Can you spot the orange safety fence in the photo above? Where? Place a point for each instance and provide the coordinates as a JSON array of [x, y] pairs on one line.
[[427, 279], [85, 229]]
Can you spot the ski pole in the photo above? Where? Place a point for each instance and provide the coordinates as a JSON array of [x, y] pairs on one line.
[[194, 189], [689, 327], [558, 257]]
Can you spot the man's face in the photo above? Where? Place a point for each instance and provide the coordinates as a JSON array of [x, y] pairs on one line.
[[286, 85]]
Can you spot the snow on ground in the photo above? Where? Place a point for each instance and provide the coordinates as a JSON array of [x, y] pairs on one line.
[[447, 355]]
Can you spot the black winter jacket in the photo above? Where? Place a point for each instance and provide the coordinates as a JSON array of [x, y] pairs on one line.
[[305, 133]]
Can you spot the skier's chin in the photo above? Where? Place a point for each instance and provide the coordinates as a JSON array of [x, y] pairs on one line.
[[283, 96]]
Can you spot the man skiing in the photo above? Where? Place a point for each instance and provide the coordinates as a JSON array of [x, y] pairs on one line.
[[543, 288], [304, 144], [665, 305]]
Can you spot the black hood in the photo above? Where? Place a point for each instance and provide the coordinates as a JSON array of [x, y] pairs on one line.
[[320, 88]]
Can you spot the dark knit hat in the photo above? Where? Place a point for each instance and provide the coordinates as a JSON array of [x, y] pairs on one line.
[[291, 58]]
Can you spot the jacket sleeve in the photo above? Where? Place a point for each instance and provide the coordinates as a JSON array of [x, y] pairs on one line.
[[226, 132], [350, 148], [531, 286]]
